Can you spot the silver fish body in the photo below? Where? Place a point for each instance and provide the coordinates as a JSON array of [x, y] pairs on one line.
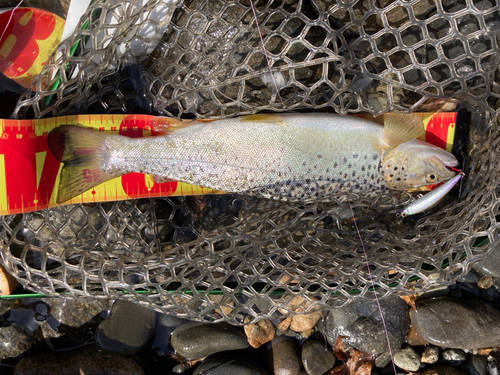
[[302, 157], [288, 156]]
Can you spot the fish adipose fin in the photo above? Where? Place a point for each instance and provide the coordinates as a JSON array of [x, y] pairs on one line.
[[400, 128], [78, 149]]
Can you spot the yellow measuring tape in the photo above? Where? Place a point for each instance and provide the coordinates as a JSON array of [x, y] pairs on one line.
[[29, 173]]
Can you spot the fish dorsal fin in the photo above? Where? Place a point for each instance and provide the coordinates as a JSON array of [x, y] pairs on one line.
[[401, 127], [263, 117], [166, 125]]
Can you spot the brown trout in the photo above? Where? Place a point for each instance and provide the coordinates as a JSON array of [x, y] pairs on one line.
[[294, 157]]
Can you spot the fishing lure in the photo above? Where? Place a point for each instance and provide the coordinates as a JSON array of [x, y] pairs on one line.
[[430, 199]]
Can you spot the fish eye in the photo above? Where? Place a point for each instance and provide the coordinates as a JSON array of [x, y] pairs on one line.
[[431, 177]]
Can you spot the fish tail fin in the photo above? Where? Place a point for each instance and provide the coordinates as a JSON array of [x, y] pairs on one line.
[[78, 149]]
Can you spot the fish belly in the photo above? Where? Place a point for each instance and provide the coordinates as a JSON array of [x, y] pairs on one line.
[[300, 157]]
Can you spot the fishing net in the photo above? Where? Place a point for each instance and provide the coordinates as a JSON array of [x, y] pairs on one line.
[[225, 257]]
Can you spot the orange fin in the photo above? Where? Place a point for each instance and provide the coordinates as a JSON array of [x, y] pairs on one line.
[[166, 125], [263, 117], [161, 179]]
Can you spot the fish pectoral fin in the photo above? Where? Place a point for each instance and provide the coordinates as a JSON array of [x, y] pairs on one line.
[[263, 117], [166, 125], [401, 127]]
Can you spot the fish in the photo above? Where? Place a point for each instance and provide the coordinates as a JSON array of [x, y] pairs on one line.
[[431, 199], [290, 157]]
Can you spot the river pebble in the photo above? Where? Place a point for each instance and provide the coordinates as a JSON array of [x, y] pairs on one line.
[[490, 265], [81, 361], [485, 282], [317, 358], [14, 340], [453, 355], [442, 370], [407, 359], [127, 330], [361, 327], [228, 366], [430, 354], [194, 340], [459, 324], [258, 333], [478, 365], [285, 356]]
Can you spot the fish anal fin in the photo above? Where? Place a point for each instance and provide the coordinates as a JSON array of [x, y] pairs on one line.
[[166, 125], [401, 127], [263, 117], [161, 179]]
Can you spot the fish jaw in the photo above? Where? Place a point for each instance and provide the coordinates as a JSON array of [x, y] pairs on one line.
[[414, 164]]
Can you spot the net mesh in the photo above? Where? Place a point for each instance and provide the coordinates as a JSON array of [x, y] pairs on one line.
[[224, 257]]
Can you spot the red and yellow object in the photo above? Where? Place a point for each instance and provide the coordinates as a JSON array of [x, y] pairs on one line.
[[28, 42], [29, 173]]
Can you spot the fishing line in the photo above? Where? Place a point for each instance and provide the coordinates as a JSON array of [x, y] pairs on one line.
[[265, 54], [10, 18], [374, 290]]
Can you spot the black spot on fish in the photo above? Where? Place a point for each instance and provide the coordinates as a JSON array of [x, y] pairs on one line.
[[369, 167], [398, 179], [357, 186], [354, 174], [349, 166], [335, 165], [395, 168], [355, 156], [375, 157], [344, 160], [365, 181], [372, 177], [363, 168], [345, 175], [327, 170], [366, 157], [402, 168], [304, 164], [391, 175], [320, 157]]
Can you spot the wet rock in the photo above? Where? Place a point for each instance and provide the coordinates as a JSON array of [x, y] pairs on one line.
[[127, 330], [478, 365], [490, 265], [453, 355], [194, 340], [361, 327], [407, 359], [285, 356], [8, 283], [442, 370], [485, 282], [228, 366], [430, 354], [459, 324], [316, 357], [82, 361], [15, 341], [414, 339], [468, 278], [302, 322], [165, 325], [258, 333]]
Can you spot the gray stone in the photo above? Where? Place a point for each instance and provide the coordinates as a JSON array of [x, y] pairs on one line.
[[228, 366], [490, 265], [407, 359], [361, 327], [453, 355], [15, 340], [127, 330], [430, 354], [194, 340], [285, 356], [468, 278], [460, 324], [478, 365], [83, 361], [316, 357], [442, 370]]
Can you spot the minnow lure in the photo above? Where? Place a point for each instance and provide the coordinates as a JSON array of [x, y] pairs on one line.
[[291, 157], [430, 199]]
